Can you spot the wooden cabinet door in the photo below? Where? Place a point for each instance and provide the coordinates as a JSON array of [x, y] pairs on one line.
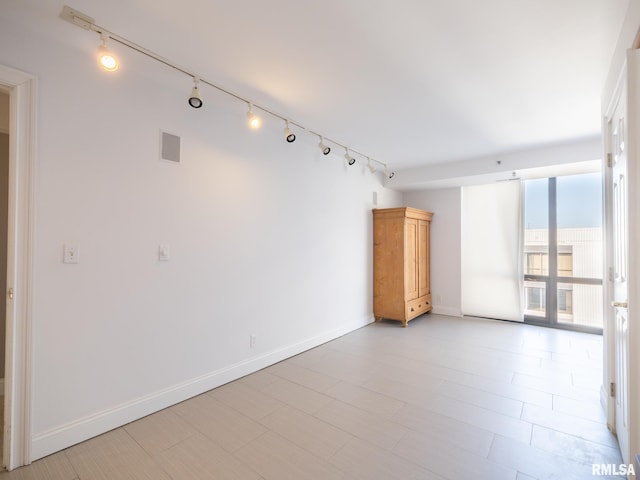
[[410, 259], [423, 258]]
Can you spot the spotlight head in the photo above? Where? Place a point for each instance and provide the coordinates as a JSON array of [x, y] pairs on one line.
[[323, 148], [288, 134], [253, 119], [106, 59], [388, 173], [195, 100], [349, 159]]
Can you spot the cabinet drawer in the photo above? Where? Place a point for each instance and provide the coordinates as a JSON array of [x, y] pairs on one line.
[[418, 306]]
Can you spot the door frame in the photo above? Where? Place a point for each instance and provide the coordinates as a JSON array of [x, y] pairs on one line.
[[629, 73], [18, 361]]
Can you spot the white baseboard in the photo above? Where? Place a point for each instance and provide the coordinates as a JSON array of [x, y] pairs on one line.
[[59, 438], [445, 310]]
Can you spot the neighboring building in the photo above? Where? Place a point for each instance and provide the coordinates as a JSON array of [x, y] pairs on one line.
[[579, 256]]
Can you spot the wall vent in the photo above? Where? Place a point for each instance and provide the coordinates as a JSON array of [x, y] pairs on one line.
[[169, 147]]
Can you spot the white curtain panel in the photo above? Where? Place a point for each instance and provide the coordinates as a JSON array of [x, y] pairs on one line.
[[492, 276]]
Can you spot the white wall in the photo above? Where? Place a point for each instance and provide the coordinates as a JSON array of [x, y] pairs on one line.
[[266, 238], [446, 205]]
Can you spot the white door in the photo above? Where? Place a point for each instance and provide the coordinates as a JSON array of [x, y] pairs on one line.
[[617, 132]]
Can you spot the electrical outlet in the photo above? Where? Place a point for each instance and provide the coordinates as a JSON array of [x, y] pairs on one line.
[[252, 341]]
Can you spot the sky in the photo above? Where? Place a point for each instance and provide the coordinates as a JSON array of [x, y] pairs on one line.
[[579, 201]]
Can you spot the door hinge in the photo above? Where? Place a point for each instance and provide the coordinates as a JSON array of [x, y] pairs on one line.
[[609, 160], [612, 389]]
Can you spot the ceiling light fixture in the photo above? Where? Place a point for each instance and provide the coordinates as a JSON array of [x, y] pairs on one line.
[[109, 62], [324, 148], [252, 118], [372, 168], [106, 59], [288, 134], [349, 159], [389, 174], [195, 100]]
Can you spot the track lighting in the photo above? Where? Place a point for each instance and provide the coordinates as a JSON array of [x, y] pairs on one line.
[[252, 118], [109, 62], [106, 59], [195, 100], [350, 160], [288, 134], [388, 173], [325, 150]]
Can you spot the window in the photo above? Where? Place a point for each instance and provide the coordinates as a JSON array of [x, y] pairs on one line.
[[563, 251]]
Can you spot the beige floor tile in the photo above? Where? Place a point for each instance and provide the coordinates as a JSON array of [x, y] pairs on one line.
[[303, 376], [536, 462], [246, 400], [480, 417], [341, 365], [219, 422], [361, 460], [364, 425], [553, 385], [395, 366], [275, 458], [306, 431], [399, 389], [160, 431], [509, 390], [481, 398], [365, 399], [259, 379], [589, 410], [574, 448], [113, 455], [449, 461], [53, 467], [572, 425], [198, 458], [297, 396], [430, 424]]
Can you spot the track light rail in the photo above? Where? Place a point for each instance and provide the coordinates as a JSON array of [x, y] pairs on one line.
[[88, 23]]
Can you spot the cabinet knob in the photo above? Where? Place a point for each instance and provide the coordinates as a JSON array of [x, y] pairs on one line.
[[412, 309]]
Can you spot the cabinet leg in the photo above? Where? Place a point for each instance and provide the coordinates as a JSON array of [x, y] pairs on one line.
[[378, 319], [404, 323]]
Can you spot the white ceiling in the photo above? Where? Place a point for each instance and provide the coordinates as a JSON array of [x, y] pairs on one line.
[[409, 82]]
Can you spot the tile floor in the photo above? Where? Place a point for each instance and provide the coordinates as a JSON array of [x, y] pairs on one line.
[[445, 398]]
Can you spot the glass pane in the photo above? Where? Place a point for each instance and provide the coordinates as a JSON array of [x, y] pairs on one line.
[[580, 304], [536, 227], [579, 210], [535, 299]]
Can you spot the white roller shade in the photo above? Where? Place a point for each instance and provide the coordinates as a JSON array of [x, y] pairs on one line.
[[492, 251]]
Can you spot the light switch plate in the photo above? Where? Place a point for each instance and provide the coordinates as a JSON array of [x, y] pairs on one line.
[[71, 254]]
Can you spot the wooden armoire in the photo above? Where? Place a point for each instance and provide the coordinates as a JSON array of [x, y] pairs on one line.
[[401, 283]]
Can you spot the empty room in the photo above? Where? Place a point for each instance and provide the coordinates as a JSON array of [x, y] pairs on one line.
[[319, 240]]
